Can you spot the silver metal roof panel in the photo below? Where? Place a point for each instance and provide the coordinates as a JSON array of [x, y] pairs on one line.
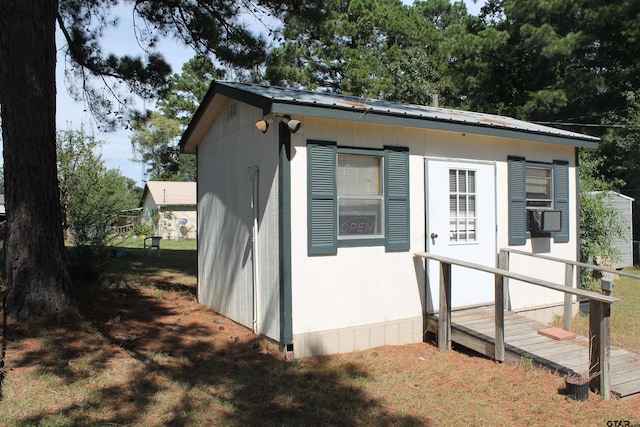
[[278, 100]]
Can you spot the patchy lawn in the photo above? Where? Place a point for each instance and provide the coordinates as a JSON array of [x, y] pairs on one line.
[[145, 353]]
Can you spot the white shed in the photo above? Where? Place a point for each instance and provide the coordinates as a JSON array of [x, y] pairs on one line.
[[311, 207], [624, 206], [170, 206]]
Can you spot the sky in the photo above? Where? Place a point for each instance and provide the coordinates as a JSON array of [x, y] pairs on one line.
[[117, 150]]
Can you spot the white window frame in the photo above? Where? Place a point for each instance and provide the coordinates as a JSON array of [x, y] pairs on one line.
[[461, 224], [380, 198], [539, 203]]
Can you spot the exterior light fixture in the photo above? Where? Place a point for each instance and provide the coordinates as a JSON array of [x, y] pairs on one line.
[[263, 125], [293, 125]]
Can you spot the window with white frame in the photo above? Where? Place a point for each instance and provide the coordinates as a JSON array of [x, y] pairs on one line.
[[462, 206], [539, 187], [357, 197], [360, 196]]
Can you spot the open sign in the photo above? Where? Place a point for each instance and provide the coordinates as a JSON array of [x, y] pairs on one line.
[[357, 225]]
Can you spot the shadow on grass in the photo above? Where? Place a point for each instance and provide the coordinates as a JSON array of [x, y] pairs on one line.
[[153, 365]]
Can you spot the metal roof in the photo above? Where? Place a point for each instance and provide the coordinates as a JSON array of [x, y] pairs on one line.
[[278, 100], [175, 193]]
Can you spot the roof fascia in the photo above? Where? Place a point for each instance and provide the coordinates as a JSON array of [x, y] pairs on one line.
[[217, 88], [426, 123], [247, 97]]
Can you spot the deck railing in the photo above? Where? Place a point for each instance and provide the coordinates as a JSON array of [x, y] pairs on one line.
[[599, 313], [568, 275], [122, 230]]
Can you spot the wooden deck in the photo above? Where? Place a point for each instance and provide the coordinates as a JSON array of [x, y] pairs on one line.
[[475, 329]]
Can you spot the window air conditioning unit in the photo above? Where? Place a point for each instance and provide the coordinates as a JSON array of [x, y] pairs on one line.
[[545, 221]]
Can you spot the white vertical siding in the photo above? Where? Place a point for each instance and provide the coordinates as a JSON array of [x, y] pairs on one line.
[[624, 244], [225, 220]]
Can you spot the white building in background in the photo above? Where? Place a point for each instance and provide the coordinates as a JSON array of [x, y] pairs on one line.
[[170, 206], [623, 205]]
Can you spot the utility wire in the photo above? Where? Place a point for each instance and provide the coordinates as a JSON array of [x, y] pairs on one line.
[[587, 125]]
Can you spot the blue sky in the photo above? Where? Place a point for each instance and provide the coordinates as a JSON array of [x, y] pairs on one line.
[[117, 152]]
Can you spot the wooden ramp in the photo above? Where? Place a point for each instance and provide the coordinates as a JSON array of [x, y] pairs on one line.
[[475, 329]]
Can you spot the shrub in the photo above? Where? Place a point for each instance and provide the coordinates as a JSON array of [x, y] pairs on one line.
[[143, 230]]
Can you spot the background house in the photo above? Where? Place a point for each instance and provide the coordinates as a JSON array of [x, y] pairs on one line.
[[624, 244], [312, 205], [170, 207]]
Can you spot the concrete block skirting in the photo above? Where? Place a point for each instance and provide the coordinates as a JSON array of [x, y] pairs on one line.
[[346, 340]]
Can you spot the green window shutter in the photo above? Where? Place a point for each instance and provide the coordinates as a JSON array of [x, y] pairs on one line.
[[517, 201], [397, 199], [561, 198], [321, 170]]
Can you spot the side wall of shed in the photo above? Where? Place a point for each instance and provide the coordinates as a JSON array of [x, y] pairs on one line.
[[231, 153]]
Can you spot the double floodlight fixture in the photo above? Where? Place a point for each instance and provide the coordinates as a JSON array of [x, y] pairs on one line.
[[263, 125]]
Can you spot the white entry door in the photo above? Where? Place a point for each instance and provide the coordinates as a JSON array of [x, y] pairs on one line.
[[461, 224]]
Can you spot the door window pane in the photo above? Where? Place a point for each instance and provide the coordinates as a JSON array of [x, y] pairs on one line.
[[462, 205]]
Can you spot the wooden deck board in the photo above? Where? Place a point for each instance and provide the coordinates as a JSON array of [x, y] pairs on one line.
[[627, 389], [475, 329], [624, 377], [624, 367]]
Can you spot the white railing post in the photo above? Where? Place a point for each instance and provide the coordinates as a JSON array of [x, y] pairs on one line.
[[503, 264], [569, 271], [444, 315], [499, 318]]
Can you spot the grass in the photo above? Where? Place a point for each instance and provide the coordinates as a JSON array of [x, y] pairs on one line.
[[625, 314], [139, 360]]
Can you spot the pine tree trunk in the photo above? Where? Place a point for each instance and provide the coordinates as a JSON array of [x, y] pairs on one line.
[[37, 278]]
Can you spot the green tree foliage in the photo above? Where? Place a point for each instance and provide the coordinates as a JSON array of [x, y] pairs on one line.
[[154, 142], [620, 151], [560, 60], [599, 222], [28, 97], [155, 137], [211, 28], [381, 49], [186, 90], [520, 58], [91, 196]]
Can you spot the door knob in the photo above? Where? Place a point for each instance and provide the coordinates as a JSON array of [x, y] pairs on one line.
[[434, 236]]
